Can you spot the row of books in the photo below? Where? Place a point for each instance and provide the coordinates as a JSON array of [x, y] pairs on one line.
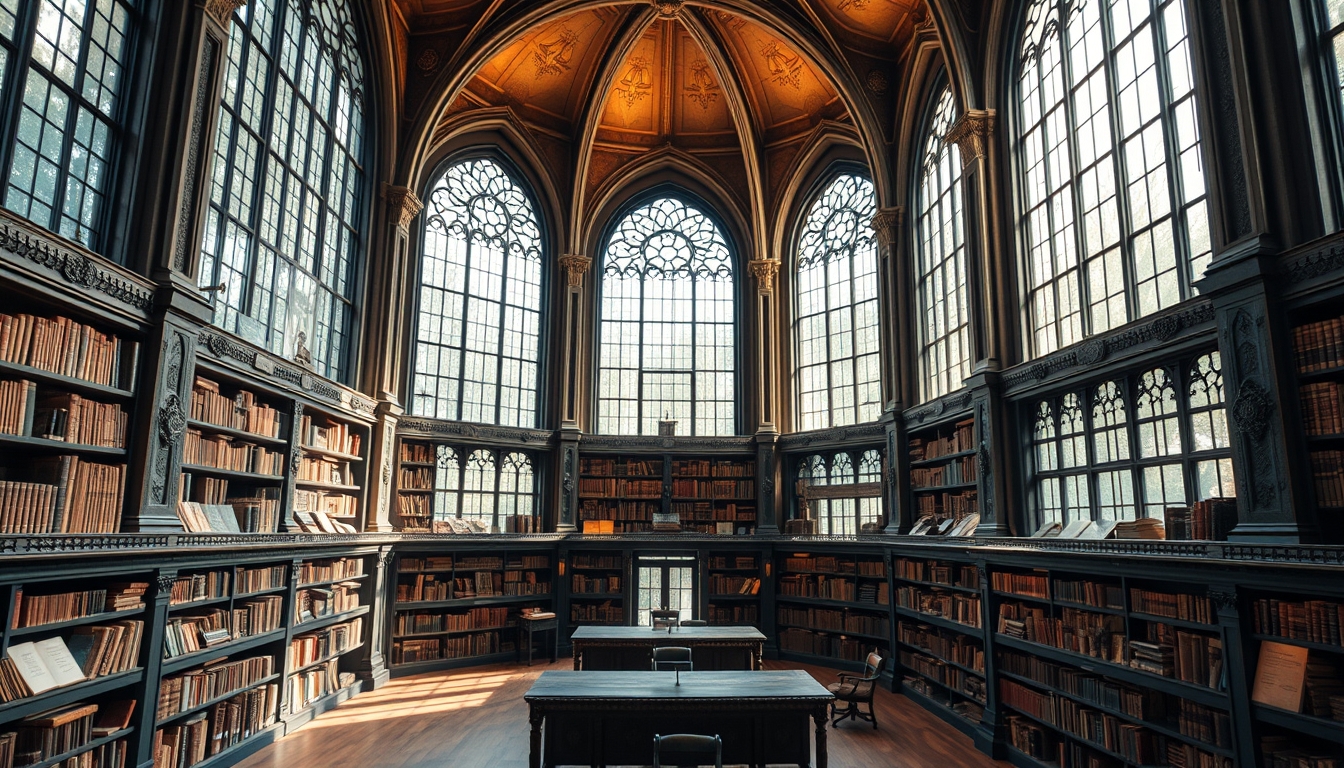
[[603, 613], [31, 668], [937, 572], [417, 623], [41, 737], [62, 346], [415, 511], [720, 584], [1321, 410], [32, 610], [963, 609], [306, 687], [1319, 345], [194, 587], [330, 504], [316, 602], [217, 626], [415, 479], [1095, 593], [621, 467], [718, 489], [955, 472], [463, 646], [60, 416], [602, 509], [819, 586], [595, 585], [965, 650], [66, 495], [819, 564], [946, 675], [420, 453], [617, 487], [332, 436], [1210, 519], [243, 412], [1327, 475], [1316, 621], [960, 438], [316, 571], [223, 452], [706, 468], [1182, 606], [823, 644], [223, 725], [320, 470], [256, 515], [947, 505], [720, 562], [734, 614], [690, 512], [1029, 584], [182, 692], [310, 647], [259, 579]]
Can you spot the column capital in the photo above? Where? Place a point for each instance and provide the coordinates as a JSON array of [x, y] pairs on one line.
[[402, 204], [887, 224], [222, 10], [972, 133], [575, 265], [765, 271]]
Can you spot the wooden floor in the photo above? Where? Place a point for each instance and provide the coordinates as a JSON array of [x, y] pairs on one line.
[[476, 718]]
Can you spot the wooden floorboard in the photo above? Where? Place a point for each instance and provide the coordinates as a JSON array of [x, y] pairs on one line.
[[476, 718]]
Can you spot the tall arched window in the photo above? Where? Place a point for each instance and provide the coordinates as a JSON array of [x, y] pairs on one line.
[[668, 330], [478, 325], [63, 70], [1114, 219], [940, 258], [282, 237], [837, 373]]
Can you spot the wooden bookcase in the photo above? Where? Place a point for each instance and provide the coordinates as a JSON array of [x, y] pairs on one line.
[[434, 485], [832, 607], [598, 589], [709, 495], [460, 607], [1318, 356], [1146, 654], [415, 486], [330, 475], [944, 474], [68, 381], [940, 637], [734, 588]]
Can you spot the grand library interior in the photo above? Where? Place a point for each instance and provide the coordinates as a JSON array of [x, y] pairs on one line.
[[539, 383]]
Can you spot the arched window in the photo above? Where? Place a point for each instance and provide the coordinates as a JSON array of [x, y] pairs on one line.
[[492, 490], [287, 201], [478, 486], [515, 488], [837, 373], [668, 330], [63, 72], [1113, 214], [478, 325], [839, 515], [940, 260]]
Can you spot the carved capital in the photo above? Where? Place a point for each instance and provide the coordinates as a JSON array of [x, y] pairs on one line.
[[575, 266], [972, 133], [222, 10], [765, 271], [887, 224], [668, 9], [402, 205]]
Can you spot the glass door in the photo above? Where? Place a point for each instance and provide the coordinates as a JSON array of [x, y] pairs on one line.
[[665, 583]]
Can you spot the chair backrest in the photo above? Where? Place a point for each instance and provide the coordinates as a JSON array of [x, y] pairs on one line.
[[687, 749], [873, 666], [695, 623], [660, 618], [669, 658]]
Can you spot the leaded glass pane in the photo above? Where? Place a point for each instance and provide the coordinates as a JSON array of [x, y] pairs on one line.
[[286, 184], [1114, 219], [835, 329], [668, 308], [940, 260]]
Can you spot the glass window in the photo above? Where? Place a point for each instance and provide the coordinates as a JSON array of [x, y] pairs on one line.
[[1143, 443], [940, 262], [478, 327], [668, 324], [284, 225], [837, 371], [63, 67], [1113, 214], [841, 516], [494, 489]]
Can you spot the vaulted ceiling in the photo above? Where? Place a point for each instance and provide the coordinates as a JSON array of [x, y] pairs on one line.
[[604, 85]]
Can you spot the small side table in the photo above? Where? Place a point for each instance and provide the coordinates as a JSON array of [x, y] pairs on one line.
[[528, 628]]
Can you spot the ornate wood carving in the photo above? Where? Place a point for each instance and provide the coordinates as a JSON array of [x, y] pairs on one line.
[[466, 431], [835, 435], [972, 133], [222, 10], [78, 269], [659, 443], [224, 347], [575, 267], [171, 419], [957, 401]]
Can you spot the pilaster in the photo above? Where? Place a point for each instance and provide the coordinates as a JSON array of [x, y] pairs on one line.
[[767, 480], [575, 266], [392, 297], [169, 367], [993, 454], [899, 514], [766, 272], [973, 135], [567, 501], [892, 284], [383, 455]]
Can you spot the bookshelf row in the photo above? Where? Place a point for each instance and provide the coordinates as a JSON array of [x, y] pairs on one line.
[[177, 664], [667, 493], [455, 489]]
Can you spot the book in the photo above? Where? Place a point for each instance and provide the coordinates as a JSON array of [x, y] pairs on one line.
[[1280, 673], [1075, 529], [45, 664], [1047, 529], [112, 717]]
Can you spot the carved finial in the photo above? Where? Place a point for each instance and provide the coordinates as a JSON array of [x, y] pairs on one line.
[[972, 133], [402, 205], [222, 10], [668, 9], [765, 271], [887, 224], [575, 266]]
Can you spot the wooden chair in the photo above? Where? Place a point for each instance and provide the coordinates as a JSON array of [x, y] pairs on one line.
[[854, 690], [664, 619], [687, 750], [672, 658]]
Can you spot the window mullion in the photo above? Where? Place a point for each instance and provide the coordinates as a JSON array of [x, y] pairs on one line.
[[1124, 216], [25, 27], [1175, 179], [469, 250]]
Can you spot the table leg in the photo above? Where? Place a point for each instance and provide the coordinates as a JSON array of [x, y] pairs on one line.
[[555, 644], [578, 659], [819, 716], [534, 745]]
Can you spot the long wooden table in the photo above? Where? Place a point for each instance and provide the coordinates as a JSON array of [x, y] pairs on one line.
[[610, 718], [631, 648]]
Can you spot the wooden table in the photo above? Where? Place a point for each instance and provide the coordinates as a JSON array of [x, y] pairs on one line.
[[631, 648], [528, 628], [602, 718]]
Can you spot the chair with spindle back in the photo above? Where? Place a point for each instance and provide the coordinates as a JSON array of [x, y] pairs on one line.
[[854, 690]]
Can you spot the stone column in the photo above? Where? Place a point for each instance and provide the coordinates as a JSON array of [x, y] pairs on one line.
[[893, 287], [572, 380], [973, 135]]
